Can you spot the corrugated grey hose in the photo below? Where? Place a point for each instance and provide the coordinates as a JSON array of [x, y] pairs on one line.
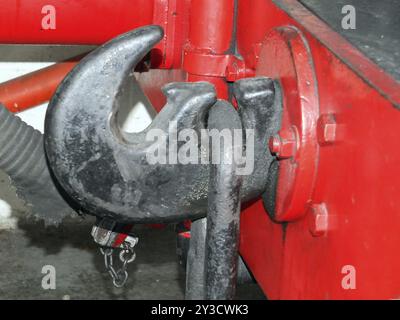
[[22, 157]]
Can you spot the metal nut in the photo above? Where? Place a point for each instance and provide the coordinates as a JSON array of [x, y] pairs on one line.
[[284, 143], [326, 129], [318, 219]]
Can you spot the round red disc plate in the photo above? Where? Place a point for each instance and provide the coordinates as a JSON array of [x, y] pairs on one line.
[[285, 56]]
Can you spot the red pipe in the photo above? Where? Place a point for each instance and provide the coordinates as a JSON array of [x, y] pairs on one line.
[[211, 25], [210, 31], [34, 88], [76, 21]]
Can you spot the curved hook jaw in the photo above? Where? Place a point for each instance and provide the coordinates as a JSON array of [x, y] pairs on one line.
[[107, 172]]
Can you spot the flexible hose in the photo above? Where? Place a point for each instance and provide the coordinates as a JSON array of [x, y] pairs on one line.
[[22, 157]]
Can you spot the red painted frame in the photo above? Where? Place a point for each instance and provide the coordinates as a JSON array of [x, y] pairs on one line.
[[356, 179]]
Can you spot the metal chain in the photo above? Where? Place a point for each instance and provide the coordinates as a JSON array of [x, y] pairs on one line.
[[126, 255]]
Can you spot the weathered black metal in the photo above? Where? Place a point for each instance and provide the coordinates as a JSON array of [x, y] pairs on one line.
[[195, 267], [22, 157], [223, 216], [106, 171], [260, 108]]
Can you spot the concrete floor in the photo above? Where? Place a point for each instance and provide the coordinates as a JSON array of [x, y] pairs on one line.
[[26, 246]]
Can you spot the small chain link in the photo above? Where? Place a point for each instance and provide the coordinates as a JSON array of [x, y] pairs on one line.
[[126, 255]]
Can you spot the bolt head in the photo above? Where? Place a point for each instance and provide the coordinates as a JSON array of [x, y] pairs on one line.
[[284, 143], [275, 144], [326, 129], [318, 219], [231, 72]]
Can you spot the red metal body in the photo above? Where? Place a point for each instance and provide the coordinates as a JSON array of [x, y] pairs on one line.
[[338, 195], [353, 178]]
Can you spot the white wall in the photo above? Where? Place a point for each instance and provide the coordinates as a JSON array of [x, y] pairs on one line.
[[18, 60]]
